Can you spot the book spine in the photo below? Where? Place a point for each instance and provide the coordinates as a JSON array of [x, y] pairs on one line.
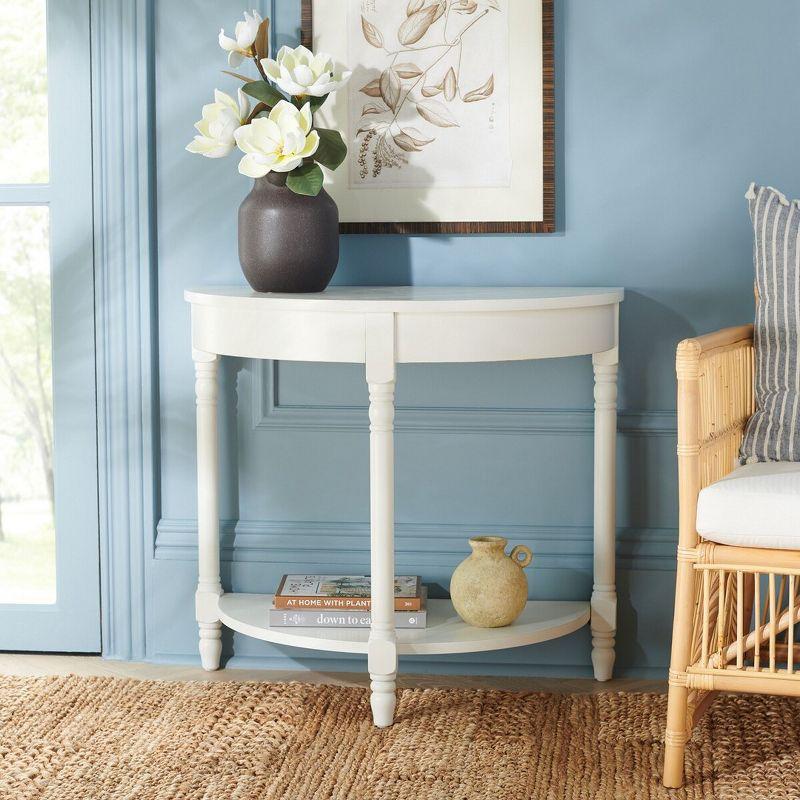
[[344, 603], [290, 618]]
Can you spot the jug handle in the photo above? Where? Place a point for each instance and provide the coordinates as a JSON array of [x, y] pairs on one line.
[[525, 552]]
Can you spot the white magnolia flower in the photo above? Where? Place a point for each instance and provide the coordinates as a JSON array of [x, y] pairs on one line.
[[220, 121], [299, 72], [277, 143], [240, 47]]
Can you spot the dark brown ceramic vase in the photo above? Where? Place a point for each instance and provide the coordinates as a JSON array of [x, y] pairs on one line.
[[287, 242]]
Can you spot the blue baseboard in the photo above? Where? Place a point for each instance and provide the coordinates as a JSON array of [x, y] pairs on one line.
[[413, 666]]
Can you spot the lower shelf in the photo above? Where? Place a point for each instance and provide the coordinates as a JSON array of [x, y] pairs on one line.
[[446, 633]]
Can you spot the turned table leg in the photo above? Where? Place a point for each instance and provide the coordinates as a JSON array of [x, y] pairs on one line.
[[604, 593], [209, 588], [382, 646]]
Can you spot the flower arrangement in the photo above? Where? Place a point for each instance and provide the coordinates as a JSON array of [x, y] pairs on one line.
[[277, 134]]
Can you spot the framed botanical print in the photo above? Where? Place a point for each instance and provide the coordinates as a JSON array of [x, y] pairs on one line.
[[448, 116]]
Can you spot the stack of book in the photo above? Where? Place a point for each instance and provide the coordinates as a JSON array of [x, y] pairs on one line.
[[343, 601]]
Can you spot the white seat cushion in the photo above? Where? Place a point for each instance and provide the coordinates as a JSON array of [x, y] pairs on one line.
[[757, 505]]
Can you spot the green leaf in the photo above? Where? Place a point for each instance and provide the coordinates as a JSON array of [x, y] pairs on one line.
[[332, 149], [306, 179], [264, 92], [316, 102]]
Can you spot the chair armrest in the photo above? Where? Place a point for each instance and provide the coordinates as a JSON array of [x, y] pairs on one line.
[[737, 336], [715, 387], [715, 400]]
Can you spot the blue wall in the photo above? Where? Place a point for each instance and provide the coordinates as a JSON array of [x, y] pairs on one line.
[[665, 112]]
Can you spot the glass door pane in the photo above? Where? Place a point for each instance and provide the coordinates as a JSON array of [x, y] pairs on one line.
[[23, 92], [49, 560], [27, 532]]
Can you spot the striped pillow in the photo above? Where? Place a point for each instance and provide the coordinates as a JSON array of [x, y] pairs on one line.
[[773, 432]]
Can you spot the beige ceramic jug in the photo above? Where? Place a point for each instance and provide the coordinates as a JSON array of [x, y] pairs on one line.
[[489, 588]]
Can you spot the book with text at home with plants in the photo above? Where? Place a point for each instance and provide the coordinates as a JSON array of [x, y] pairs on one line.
[[343, 592], [344, 617]]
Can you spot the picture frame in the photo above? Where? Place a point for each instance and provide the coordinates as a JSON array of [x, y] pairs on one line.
[[513, 192]]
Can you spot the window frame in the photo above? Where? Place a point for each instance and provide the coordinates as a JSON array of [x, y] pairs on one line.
[[72, 623]]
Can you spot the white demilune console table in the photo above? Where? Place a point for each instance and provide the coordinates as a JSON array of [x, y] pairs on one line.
[[382, 327]]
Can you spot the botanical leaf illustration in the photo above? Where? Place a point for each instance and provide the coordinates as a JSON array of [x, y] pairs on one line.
[[405, 142], [416, 136], [261, 43], [437, 114], [410, 140], [441, 6], [450, 85], [385, 142], [372, 125], [481, 93], [390, 88], [373, 88], [431, 91], [371, 33], [416, 26], [373, 108], [406, 71]]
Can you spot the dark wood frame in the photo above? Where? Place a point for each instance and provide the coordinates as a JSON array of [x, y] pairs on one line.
[[547, 225]]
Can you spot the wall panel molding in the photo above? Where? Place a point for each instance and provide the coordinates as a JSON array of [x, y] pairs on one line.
[[124, 241], [429, 544], [269, 413]]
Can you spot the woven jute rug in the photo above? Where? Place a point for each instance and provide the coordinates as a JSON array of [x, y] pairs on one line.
[[107, 739]]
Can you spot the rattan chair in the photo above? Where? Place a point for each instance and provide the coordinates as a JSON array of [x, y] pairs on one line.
[[735, 607]]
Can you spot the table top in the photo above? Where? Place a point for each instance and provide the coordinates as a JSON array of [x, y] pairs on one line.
[[413, 298]]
